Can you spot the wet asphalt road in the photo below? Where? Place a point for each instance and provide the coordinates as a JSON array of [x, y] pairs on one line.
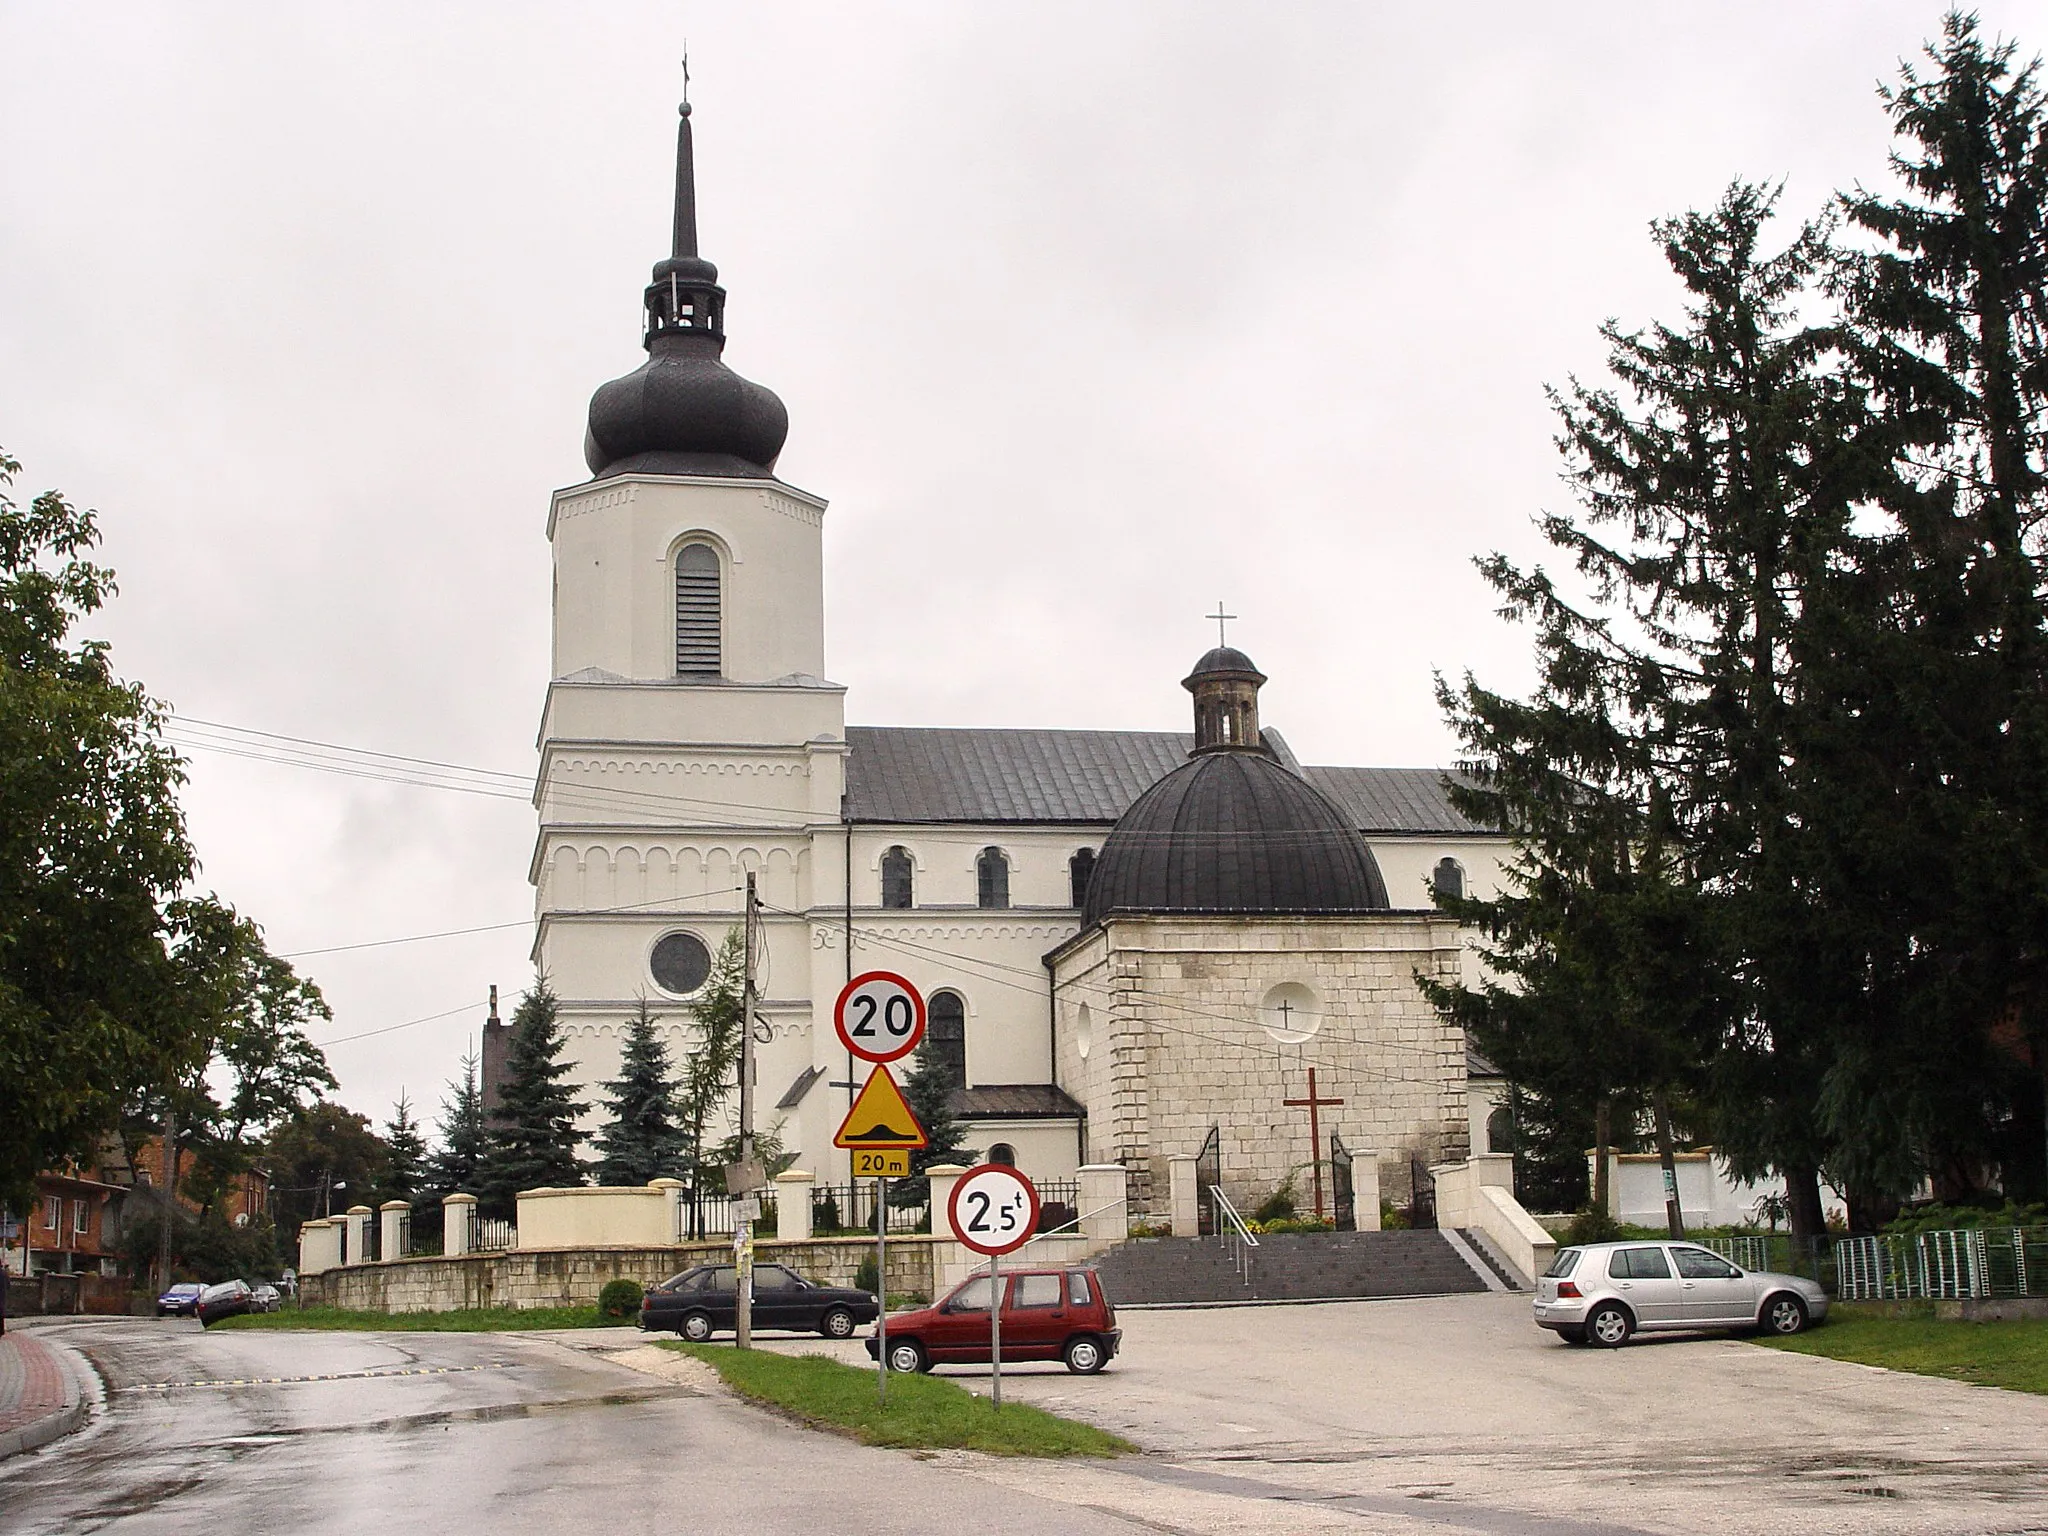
[[504, 1433]]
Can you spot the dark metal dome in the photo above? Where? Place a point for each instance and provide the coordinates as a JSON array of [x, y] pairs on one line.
[[683, 412], [1233, 831], [1223, 661]]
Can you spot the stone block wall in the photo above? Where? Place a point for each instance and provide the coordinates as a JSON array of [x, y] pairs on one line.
[[1185, 1048], [574, 1277]]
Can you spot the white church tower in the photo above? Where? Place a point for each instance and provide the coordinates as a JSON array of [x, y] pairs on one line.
[[689, 737]]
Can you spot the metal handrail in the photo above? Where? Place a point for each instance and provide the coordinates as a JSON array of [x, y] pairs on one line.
[[1236, 1236]]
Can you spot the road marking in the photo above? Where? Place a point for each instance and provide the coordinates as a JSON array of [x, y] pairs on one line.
[[282, 1381]]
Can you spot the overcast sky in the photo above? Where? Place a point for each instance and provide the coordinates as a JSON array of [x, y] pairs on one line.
[[1086, 315]]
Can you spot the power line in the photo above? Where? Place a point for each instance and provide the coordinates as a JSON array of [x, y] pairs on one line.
[[450, 933], [392, 1028]]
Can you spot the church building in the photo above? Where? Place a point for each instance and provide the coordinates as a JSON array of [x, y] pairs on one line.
[[1134, 944]]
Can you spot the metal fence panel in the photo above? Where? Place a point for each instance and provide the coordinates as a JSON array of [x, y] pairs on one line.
[[1971, 1263]]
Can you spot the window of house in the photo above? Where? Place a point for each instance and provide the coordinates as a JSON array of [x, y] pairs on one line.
[[697, 612], [680, 963], [1080, 870], [896, 886], [1002, 1152], [945, 1037], [81, 1217], [1449, 879], [53, 1212], [992, 878]]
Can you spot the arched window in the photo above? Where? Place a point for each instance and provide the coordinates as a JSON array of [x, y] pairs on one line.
[[697, 615], [896, 886], [1500, 1130], [1080, 869], [1449, 879], [1002, 1152], [992, 879], [945, 1037]]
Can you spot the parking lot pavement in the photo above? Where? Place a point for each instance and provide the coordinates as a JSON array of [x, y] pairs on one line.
[[1458, 1413]]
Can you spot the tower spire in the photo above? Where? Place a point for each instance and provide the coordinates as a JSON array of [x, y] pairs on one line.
[[685, 242]]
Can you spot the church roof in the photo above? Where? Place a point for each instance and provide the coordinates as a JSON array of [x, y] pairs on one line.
[[911, 774], [1013, 1101], [1231, 830], [1393, 799]]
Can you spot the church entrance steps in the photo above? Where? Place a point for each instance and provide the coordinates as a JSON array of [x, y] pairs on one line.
[[1479, 1249], [1322, 1266]]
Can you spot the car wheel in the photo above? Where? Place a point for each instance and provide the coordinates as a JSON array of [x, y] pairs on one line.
[[1572, 1335], [907, 1357], [1085, 1355], [1609, 1326], [1784, 1315], [836, 1324], [696, 1327]]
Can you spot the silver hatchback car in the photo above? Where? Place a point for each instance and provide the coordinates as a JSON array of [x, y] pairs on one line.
[[1604, 1292]]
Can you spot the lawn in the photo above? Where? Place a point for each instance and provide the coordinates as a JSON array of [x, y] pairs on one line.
[[471, 1320], [923, 1412], [2013, 1355]]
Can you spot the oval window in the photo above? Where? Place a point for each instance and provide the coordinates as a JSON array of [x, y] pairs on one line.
[[680, 963]]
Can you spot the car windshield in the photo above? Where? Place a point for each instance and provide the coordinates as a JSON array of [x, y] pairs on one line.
[[216, 1292], [688, 1280], [1564, 1263]]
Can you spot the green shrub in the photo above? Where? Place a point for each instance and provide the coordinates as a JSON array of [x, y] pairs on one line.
[[620, 1299], [1949, 1218], [1279, 1205], [864, 1278], [1392, 1217], [1592, 1226]]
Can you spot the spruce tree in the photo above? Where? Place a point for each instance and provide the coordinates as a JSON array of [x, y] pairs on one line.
[[533, 1136], [464, 1136], [640, 1140], [405, 1155], [1650, 951], [1951, 312], [928, 1088]]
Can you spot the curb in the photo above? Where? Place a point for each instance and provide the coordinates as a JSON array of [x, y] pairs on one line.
[[62, 1421]]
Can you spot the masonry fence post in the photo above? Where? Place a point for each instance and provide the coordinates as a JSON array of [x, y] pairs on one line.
[[951, 1263], [393, 1214], [672, 1191], [1183, 1202], [358, 1219], [1105, 1205], [793, 1206], [458, 1225]]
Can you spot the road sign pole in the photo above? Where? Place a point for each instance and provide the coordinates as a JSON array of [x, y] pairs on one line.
[[995, 1322], [881, 1290]]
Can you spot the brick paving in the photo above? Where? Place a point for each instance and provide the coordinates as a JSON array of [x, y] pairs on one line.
[[33, 1381]]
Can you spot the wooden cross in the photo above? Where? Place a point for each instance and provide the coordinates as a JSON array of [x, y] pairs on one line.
[[1315, 1125], [1219, 616]]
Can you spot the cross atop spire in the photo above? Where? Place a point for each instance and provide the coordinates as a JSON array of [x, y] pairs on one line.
[[1220, 617]]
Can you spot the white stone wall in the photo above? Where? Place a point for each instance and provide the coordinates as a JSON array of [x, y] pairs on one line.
[[1183, 1047]]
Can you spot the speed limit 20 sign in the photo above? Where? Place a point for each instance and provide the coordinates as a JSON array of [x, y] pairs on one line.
[[994, 1209], [879, 1016]]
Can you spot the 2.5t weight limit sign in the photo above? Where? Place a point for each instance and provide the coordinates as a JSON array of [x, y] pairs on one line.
[[994, 1209], [879, 1016]]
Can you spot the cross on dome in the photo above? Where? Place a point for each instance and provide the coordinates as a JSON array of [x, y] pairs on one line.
[[1220, 616]]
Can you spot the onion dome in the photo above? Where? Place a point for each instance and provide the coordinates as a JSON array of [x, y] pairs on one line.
[[1231, 830], [683, 412]]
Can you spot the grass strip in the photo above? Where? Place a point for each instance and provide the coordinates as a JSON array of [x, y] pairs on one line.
[[2012, 1355], [468, 1320], [923, 1412]]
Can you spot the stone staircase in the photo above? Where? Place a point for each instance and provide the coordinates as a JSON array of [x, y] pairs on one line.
[[1293, 1266]]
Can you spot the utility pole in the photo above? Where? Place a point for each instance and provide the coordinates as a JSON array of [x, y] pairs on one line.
[[169, 1170], [743, 1237]]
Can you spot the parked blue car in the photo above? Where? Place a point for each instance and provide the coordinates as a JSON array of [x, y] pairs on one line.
[[179, 1301]]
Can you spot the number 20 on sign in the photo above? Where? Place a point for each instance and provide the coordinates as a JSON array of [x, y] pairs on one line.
[[879, 1016]]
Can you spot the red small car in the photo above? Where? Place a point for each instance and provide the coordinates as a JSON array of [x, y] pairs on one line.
[[1048, 1314]]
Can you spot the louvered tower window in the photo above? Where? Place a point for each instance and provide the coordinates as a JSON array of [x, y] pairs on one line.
[[697, 628]]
